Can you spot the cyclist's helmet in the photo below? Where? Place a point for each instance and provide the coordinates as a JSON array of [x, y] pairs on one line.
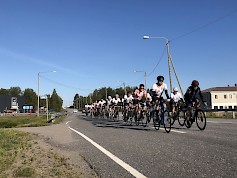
[[175, 89], [141, 86], [160, 78], [109, 97], [195, 83]]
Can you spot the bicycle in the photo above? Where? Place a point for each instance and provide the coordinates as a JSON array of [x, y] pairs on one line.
[[195, 113], [161, 116], [178, 113]]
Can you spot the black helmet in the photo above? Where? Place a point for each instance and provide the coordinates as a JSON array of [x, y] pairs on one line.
[[195, 83], [160, 78]]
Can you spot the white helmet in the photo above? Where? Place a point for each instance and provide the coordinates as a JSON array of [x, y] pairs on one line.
[[175, 89], [109, 97]]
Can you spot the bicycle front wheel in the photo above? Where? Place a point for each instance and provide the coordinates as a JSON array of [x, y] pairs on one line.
[[188, 119], [181, 118], [201, 119], [156, 122], [167, 121]]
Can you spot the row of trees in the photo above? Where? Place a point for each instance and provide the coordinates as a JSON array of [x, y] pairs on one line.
[[102, 93], [31, 98]]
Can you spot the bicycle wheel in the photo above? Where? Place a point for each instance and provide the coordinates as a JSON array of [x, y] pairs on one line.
[[156, 121], [167, 121], [201, 119], [172, 118], [130, 117], [181, 118], [188, 119], [147, 119]]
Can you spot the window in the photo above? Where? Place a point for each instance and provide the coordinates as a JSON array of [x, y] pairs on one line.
[[215, 107], [221, 107], [225, 96], [216, 97], [230, 107], [230, 96]]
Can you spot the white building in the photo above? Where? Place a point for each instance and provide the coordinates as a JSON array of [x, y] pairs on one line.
[[221, 97]]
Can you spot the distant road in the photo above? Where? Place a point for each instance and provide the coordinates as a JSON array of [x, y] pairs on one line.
[[116, 149]]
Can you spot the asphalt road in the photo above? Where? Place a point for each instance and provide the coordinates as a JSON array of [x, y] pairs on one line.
[[116, 149]]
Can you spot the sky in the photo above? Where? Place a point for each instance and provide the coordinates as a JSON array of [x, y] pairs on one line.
[[99, 43]]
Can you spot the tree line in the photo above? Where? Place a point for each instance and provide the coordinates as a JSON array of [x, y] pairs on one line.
[[31, 98], [102, 93]]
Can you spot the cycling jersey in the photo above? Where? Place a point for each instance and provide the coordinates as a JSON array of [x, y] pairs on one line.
[[159, 89], [116, 100], [175, 97], [190, 95]]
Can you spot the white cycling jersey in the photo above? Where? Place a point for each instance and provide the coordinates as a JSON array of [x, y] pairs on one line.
[[128, 99], [159, 89], [176, 97], [116, 101]]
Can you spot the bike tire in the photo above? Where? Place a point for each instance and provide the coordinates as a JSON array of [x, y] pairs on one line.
[[167, 121], [181, 118], [156, 122], [187, 119], [201, 120], [147, 119]]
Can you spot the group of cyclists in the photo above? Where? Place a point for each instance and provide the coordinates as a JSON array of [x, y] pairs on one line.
[[141, 99]]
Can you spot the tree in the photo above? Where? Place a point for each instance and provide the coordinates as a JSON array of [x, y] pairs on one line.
[[30, 97], [76, 101], [4, 91], [15, 91], [55, 102]]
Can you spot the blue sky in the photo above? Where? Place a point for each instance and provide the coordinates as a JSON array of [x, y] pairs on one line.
[[93, 44]]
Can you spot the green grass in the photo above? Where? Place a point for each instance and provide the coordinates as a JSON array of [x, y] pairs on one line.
[[26, 121], [11, 144]]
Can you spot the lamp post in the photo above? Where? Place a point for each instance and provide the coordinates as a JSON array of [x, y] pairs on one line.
[[39, 89], [125, 91], [169, 62], [144, 76]]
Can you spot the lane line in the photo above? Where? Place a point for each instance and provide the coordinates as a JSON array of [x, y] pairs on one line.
[[126, 166], [68, 122], [221, 122], [172, 130]]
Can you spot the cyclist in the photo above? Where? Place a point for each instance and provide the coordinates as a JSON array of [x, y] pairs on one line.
[[117, 104], [175, 97], [140, 94], [157, 91], [190, 96]]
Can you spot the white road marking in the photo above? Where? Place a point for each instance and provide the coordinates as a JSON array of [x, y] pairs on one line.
[[68, 122], [127, 167], [221, 122], [172, 130]]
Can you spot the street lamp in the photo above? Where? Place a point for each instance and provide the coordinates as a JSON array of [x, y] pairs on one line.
[[125, 91], [39, 89], [169, 62], [144, 76]]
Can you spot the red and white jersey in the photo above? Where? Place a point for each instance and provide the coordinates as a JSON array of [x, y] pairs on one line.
[[159, 89], [139, 94]]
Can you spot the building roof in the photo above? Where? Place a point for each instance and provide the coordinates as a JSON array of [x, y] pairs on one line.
[[229, 88]]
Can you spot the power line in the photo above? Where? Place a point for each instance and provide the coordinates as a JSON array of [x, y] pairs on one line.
[[64, 85], [205, 25], [157, 62]]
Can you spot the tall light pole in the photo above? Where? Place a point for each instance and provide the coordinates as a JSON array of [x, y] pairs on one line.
[[144, 76], [169, 62], [39, 89], [124, 87]]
